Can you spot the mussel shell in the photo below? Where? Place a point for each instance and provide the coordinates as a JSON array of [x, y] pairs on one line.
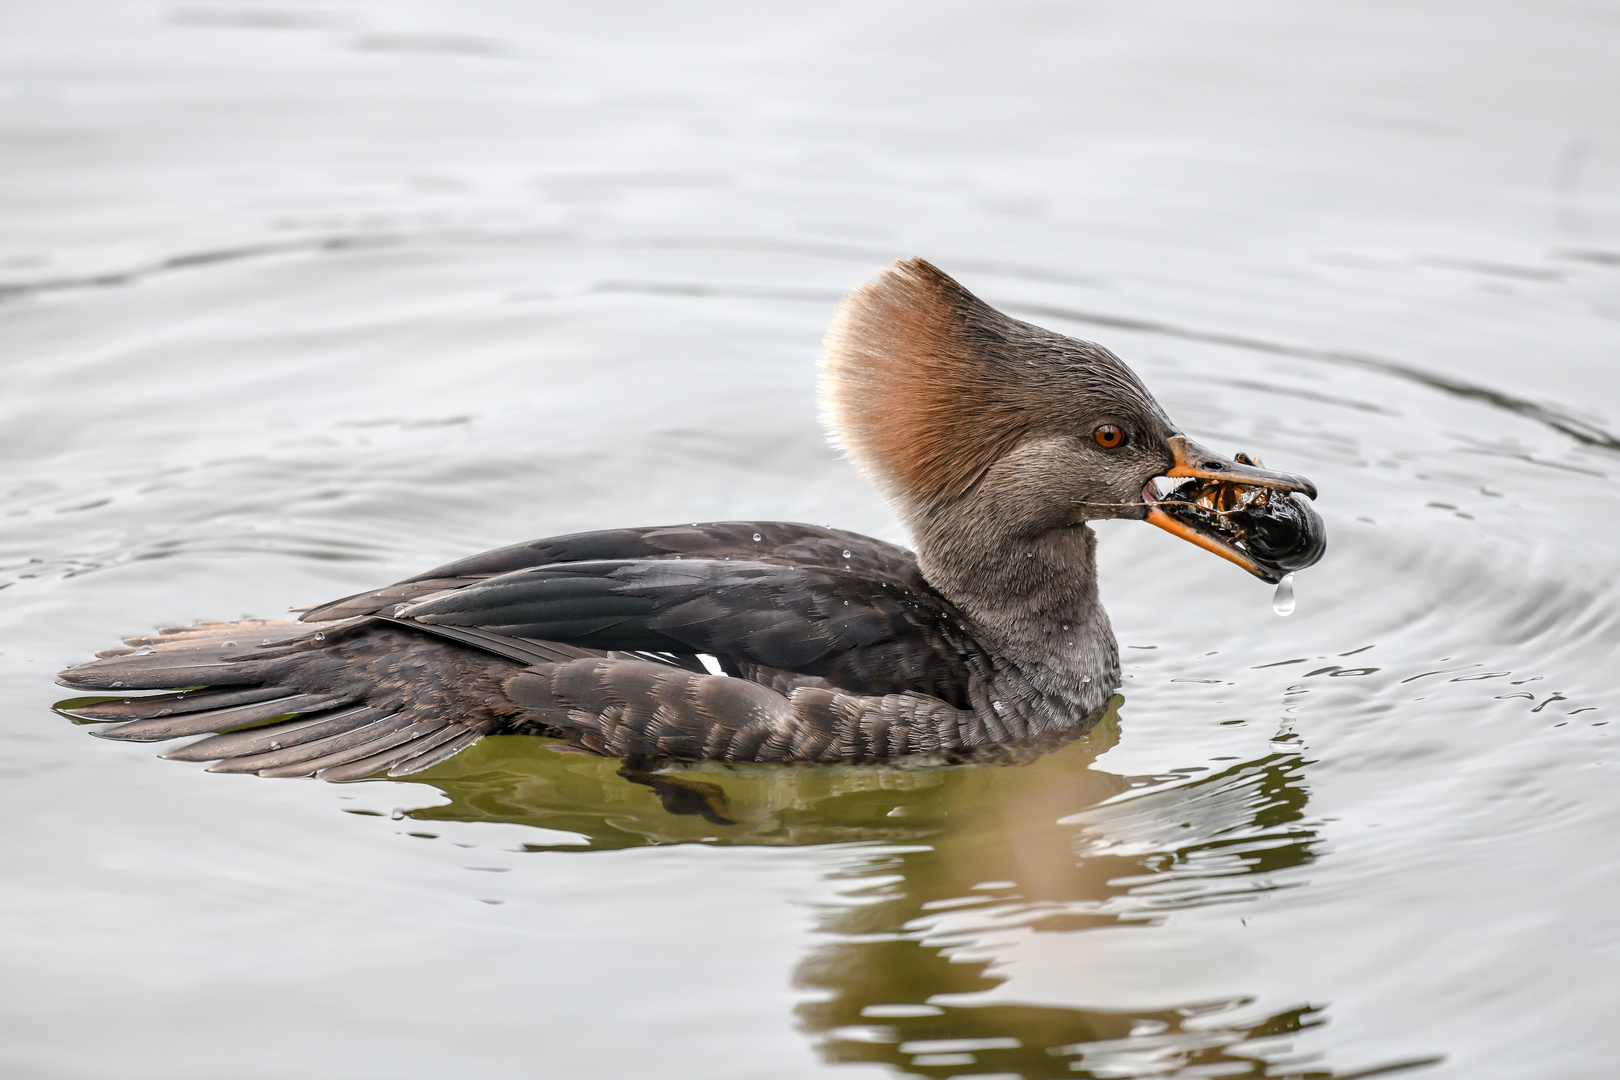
[[1284, 532]]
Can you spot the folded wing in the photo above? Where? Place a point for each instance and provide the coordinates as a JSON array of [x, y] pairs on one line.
[[784, 543], [844, 654], [864, 633]]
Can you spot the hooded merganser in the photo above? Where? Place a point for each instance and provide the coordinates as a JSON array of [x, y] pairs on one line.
[[995, 440]]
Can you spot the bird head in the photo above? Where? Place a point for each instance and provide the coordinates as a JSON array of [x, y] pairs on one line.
[[941, 400]]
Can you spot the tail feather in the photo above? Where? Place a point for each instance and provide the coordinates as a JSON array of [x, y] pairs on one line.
[[365, 738], [430, 755], [373, 746], [420, 736], [186, 701], [215, 633], [238, 744], [160, 728], [284, 699], [159, 671]]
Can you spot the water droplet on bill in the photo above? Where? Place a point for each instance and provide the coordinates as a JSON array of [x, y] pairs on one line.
[[1282, 601]]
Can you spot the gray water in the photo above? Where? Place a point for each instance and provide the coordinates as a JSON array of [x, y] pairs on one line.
[[298, 301]]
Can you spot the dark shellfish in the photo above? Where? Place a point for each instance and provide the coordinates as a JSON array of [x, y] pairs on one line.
[[1278, 528]]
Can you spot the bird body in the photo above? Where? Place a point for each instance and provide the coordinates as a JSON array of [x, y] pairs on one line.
[[754, 641]]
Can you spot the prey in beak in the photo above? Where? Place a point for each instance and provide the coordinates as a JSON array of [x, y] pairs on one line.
[[1248, 515]]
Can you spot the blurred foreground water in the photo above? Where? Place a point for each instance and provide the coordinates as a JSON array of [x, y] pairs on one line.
[[298, 301]]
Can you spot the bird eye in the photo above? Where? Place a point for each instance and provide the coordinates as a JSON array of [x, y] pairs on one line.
[[1109, 437]]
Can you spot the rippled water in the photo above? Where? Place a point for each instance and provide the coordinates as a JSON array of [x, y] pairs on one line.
[[298, 301]]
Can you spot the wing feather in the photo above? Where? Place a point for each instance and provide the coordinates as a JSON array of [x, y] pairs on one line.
[[785, 543], [867, 634]]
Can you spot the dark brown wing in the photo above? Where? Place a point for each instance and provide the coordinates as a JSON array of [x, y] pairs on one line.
[[864, 633], [776, 542], [545, 637], [377, 696]]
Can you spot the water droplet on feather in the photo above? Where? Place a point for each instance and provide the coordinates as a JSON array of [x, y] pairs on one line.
[[145, 650], [1282, 601], [398, 814], [846, 553], [320, 637], [230, 644], [758, 538]]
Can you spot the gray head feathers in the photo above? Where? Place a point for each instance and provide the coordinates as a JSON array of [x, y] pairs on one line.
[[924, 385]]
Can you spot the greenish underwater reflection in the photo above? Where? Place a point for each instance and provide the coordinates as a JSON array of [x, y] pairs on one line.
[[951, 851]]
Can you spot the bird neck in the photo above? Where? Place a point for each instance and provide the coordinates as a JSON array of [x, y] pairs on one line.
[[1031, 593]]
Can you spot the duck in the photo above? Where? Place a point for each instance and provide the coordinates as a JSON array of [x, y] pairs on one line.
[[995, 441]]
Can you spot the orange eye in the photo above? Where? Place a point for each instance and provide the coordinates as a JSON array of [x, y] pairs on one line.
[[1109, 437]]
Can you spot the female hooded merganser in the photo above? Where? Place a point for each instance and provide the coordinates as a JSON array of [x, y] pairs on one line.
[[995, 440]]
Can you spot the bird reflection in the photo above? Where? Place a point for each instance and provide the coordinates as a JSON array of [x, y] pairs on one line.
[[940, 857]]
